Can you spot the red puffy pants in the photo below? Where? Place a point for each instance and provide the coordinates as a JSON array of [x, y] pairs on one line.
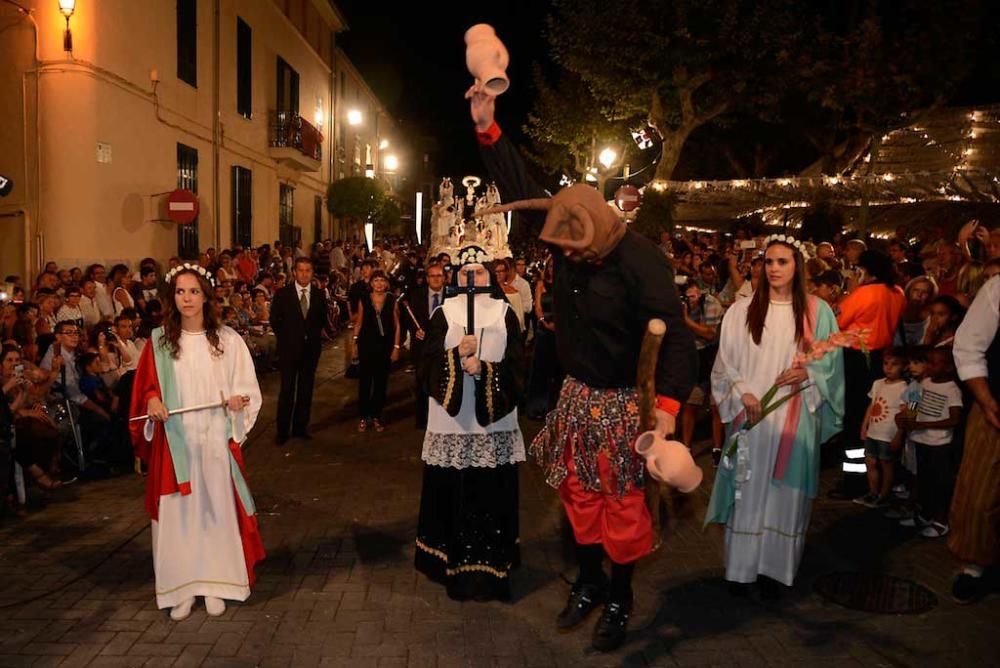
[[623, 526]]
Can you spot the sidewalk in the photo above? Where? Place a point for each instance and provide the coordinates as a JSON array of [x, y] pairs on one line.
[[338, 516]]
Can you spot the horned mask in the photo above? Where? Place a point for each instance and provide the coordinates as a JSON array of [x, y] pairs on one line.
[[578, 221]]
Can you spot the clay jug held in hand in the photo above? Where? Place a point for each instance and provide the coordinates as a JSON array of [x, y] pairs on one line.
[[669, 461], [487, 59]]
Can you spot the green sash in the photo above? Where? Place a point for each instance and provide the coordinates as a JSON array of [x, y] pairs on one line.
[[174, 429]]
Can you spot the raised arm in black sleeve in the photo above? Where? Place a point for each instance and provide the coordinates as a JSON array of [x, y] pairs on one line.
[[506, 167]]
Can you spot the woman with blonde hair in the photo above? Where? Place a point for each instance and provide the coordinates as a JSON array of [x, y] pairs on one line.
[[970, 278]]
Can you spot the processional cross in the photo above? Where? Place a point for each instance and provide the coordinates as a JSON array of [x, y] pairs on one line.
[[470, 290]]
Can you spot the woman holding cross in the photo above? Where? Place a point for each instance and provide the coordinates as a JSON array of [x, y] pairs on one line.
[[471, 367], [197, 388]]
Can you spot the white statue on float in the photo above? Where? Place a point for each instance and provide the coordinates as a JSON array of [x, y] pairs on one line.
[[452, 231]]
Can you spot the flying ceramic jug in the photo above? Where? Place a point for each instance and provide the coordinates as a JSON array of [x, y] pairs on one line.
[[669, 461], [487, 59]]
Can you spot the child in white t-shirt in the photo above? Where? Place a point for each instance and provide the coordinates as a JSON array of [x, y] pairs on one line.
[[878, 429], [939, 411]]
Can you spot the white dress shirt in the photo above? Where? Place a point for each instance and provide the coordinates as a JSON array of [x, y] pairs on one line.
[[524, 289], [976, 333], [299, 291], [104, 301], [430, 301], [91, 311]]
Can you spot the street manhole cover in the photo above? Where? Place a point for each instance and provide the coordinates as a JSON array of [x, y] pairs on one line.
[[884, 594]]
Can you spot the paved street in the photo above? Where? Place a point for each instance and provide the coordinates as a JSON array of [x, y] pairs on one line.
[[338, 588]]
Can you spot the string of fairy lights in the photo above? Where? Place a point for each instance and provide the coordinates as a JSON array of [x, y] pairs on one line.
[[956, 179]]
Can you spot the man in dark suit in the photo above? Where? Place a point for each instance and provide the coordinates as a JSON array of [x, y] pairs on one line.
[[298, 316], [422, 301]]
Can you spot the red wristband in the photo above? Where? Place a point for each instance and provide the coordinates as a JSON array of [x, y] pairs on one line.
[[667, 404], [491, 136]]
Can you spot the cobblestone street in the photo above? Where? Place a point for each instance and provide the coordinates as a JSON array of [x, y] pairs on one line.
[[338, 516]]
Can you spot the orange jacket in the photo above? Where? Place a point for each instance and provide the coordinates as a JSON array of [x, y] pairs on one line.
[[875, 307]]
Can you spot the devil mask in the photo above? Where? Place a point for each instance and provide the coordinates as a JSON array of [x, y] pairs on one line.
[[578, 221]]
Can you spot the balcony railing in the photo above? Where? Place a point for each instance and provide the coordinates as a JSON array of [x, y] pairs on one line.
[[289, 130]]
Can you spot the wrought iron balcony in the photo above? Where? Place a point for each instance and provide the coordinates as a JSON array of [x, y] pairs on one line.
[[295, 141]]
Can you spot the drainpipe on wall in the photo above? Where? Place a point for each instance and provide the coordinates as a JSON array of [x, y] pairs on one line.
[[216, 130], [333, 124]]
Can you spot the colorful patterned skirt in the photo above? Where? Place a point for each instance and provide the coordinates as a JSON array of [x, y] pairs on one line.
[[593, 423]]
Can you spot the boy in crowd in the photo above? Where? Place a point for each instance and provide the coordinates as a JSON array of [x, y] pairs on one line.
[[939, 411], [879, 429]]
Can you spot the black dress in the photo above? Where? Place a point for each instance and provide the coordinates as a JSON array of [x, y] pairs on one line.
[[467, 535], [375, 344]]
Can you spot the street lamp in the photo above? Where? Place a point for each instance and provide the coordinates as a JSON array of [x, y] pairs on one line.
[[354, 117], [607, 157], [384, 144], [391, 163], [67, 7]]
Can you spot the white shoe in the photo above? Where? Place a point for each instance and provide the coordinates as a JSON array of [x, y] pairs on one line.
[[182, 610], [214, 606]]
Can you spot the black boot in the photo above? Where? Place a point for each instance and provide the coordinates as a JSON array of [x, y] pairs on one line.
[[583, 599], [590, 590], [609, 634]]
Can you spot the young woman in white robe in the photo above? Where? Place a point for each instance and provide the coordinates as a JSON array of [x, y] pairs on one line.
[[205, 538], [763, 495]]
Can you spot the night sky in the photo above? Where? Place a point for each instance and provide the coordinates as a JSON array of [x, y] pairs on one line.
[[413, 57], [420, 74]]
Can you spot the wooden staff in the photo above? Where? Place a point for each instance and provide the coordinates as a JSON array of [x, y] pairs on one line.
[[649, 354]]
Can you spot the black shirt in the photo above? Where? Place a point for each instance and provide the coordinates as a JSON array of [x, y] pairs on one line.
[[356, 293], [601, 309]]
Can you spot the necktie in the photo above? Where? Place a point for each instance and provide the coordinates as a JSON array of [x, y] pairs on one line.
[[303, 304], [435, 302]]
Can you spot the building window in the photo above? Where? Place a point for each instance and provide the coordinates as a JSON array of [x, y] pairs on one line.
[[187, 178], [242, 185], [288, 87], [244, 69], [317, 218], [187, 41], [287, 232]]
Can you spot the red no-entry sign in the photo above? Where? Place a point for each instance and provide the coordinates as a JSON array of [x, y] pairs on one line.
[[182, 206], [628, 198]]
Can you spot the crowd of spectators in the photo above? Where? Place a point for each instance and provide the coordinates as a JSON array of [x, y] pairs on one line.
[[73, 336]]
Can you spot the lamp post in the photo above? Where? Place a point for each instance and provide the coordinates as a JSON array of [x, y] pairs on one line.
[[67, 7]]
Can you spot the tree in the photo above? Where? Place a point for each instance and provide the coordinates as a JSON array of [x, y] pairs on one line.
[[355, 197], [569, 129], [870, 63], [360, 199], [681, 64]]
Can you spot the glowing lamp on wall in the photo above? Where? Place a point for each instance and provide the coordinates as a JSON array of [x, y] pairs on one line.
[[67, 7], [391, 163], [354, 117], [384, 144]]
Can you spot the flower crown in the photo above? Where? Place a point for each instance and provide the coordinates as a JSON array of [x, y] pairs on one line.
[[473, 255], [187, 266], [789, 240]]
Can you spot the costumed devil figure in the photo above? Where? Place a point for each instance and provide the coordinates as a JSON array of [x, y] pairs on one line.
[[608, 283], [468, 528], [205, 536]]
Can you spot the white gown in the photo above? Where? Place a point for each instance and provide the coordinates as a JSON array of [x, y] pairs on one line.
[[766, 532], [196, 542]]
